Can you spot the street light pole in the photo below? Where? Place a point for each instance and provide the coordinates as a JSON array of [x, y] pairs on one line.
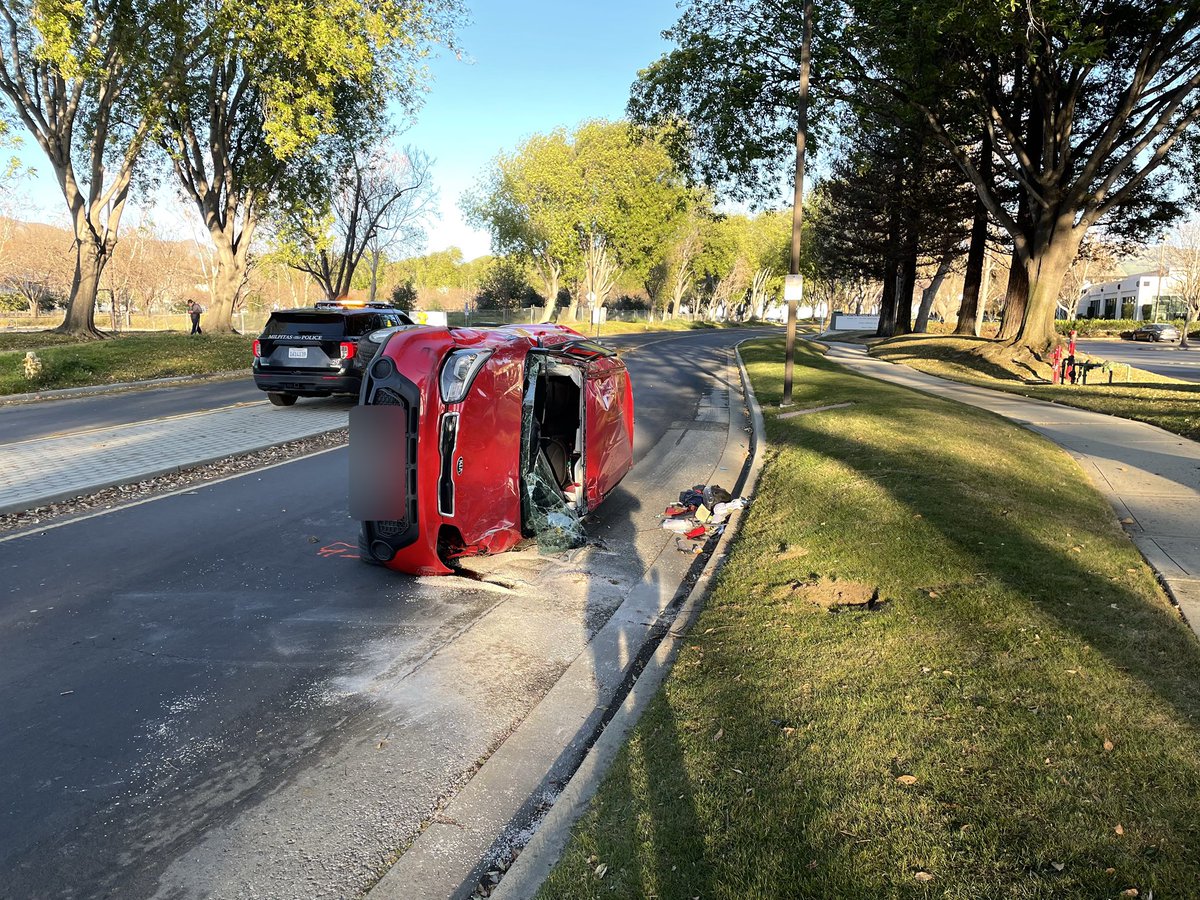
[[793, 279], [1162, 242]]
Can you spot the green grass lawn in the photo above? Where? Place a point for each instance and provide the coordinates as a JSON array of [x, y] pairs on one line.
[[1165, 402], [33, 340], [132, 357], [1018, 718]]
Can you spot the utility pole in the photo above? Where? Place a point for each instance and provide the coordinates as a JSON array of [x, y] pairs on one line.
[[1162, 246], [793, 283]]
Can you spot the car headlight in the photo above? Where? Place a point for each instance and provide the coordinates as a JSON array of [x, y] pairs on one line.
[[459, 371]]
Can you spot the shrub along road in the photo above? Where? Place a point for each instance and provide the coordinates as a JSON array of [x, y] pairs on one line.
[[933, 665]]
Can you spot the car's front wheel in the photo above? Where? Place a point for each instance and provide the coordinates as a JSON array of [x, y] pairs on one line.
[[278, 399]]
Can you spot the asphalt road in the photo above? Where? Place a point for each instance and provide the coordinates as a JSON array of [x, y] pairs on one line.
[[1162, 359], [171, 668]]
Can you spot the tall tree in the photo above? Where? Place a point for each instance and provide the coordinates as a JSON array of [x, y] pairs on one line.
[[1091, 108], [529, 200], [556, 192], [239, 124], [725, 97], [378, 190], [86, 80]]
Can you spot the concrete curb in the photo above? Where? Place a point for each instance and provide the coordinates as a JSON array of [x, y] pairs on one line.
[[120, 387], [546, 846]]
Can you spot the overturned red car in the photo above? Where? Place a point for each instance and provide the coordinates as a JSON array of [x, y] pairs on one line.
[[468, 440]]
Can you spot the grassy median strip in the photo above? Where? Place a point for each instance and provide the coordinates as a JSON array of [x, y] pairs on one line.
[[1169, 404], [133, 357], [933, 666]]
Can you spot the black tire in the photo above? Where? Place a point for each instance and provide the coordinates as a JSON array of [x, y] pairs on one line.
[[278, 399], [364, 551]]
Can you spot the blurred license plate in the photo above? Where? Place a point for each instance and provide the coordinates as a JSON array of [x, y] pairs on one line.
[[297, 353], [378, 463]]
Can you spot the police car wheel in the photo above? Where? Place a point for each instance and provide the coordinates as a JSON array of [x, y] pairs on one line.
[[278, 399]]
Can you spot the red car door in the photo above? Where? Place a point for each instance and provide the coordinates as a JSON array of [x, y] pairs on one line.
[[608, 427]]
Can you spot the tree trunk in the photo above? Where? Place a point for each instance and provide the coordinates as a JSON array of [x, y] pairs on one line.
[[973, 276], [228, 281], [1189, 316], [547, 312], [1016, 297], [985, 291], [908, 284], [80, 320], [573, 305], [375, 255], [929, 295], [551, 272], [968, 313], [1052, 254], [887, 303]]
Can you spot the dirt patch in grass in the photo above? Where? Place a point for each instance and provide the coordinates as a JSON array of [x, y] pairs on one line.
[[830, 594], [1022, 720], [1135, 394]]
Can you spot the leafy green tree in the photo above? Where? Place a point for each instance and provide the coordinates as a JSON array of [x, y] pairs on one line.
[[441, 269], [530, 201], [725, 97], [505, 285], [87, 80], [558, 194], [275, 79], [404, 295], [1090, 109]]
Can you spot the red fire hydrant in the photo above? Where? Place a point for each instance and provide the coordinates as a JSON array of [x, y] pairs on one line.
[[1056, 359]]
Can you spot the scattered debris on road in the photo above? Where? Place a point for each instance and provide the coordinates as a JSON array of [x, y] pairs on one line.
[[702, 512]]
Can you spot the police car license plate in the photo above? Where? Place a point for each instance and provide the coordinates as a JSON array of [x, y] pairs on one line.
[[297, 353]]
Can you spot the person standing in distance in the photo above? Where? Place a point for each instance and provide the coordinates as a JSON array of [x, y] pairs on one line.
[[194, 309]]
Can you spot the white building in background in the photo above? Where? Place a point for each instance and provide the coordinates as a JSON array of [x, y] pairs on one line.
[[1138, 297]]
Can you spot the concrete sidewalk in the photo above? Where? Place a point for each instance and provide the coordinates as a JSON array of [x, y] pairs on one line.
[[47, 470], [1150, 476]]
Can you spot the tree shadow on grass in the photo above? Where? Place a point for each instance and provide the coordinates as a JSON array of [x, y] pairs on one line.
[[1153, 645]]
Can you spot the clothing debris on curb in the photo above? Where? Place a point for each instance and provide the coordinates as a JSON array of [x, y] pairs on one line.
[[701, 513]]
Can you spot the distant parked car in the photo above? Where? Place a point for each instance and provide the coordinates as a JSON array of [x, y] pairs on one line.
[[319, 351], [1157, 331], [467, 440]]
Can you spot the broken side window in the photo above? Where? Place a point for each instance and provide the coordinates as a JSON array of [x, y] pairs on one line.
[[545, 510]]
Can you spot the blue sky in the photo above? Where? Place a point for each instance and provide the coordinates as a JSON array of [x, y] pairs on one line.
[[528, 66]]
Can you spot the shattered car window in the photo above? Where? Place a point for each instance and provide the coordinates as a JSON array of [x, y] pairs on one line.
[[549, 513]]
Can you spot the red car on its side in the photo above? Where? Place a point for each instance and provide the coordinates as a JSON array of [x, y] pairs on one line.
[[467, 440]]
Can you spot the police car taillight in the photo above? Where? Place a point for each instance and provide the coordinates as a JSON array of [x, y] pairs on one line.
[[257, 349], [349, 348]]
